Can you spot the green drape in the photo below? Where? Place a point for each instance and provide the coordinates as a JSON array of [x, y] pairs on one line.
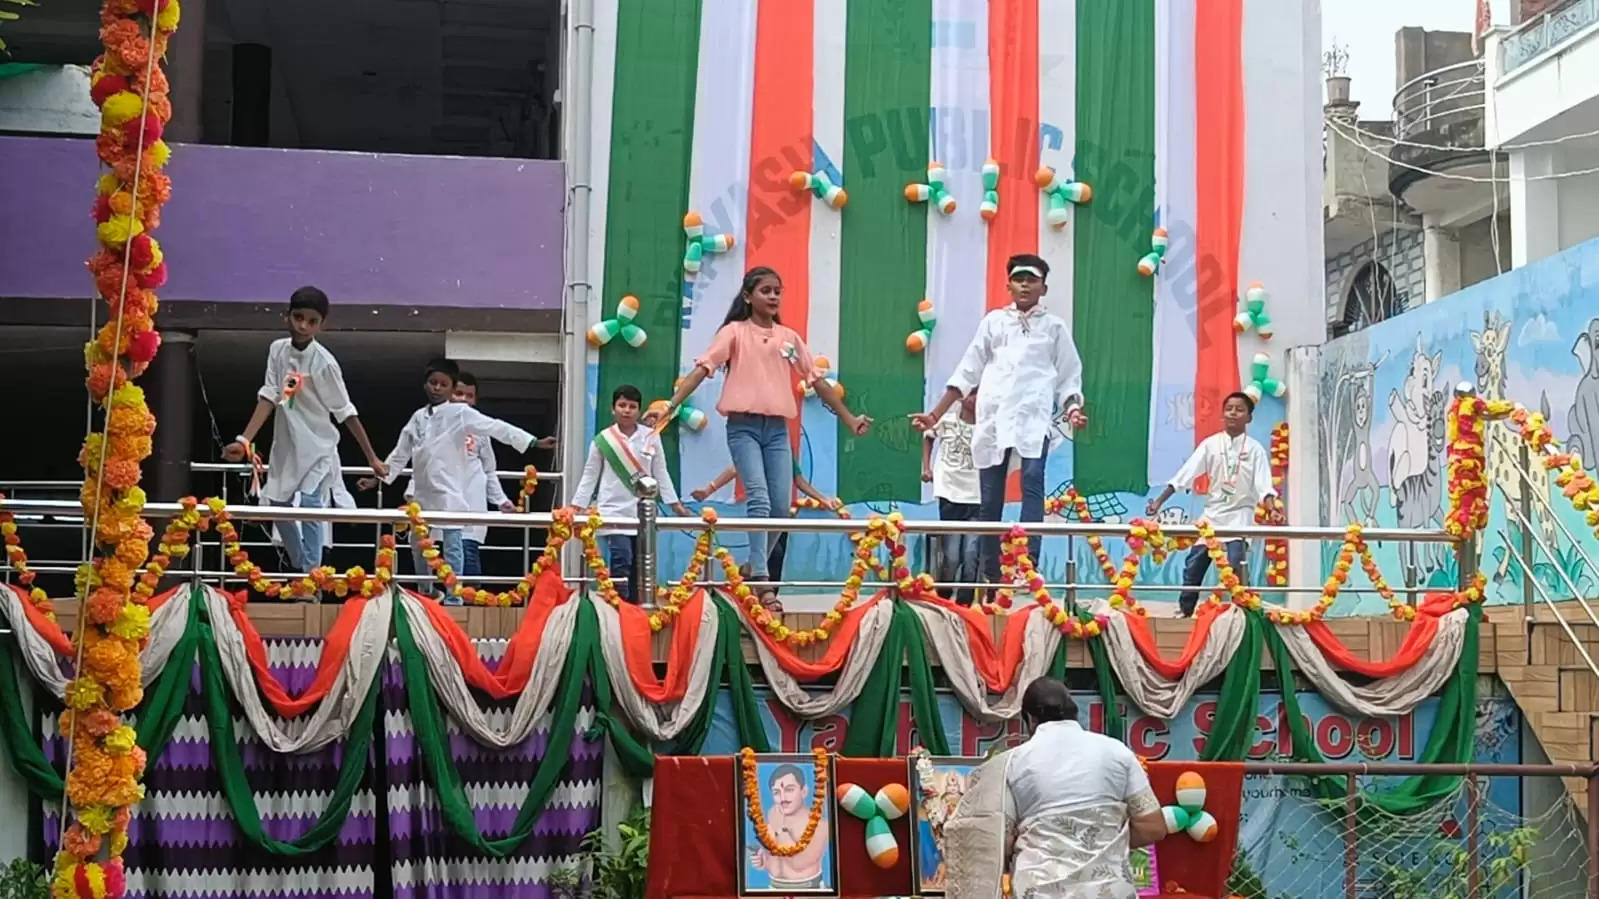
[[434, 741], [1451, 741], [1232, 731], [155, 717], [647, 194], [1116, 157], [882, 265], [229, 763]]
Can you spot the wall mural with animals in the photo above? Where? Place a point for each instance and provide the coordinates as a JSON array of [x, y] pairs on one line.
[[1530, 336]]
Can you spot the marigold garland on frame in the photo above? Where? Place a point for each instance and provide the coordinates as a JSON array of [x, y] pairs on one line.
[[104, 762]]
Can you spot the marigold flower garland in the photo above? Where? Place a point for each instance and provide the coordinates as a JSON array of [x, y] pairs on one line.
[[834, 505], [750, 779], [560, 532], [1273, 511], [17, 558], [1015, 547], [1467, 479], [530, 483], [672, 600], [879, 532], [104, 762]]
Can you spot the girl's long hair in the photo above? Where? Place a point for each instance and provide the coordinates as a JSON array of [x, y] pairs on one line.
[[740, 310]]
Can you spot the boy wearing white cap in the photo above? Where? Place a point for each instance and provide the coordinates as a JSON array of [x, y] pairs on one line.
[[1030, 376]]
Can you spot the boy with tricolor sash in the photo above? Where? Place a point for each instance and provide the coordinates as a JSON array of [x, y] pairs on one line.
[[620, 456]]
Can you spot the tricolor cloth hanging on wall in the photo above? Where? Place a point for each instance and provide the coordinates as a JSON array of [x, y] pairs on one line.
[[736, 101]]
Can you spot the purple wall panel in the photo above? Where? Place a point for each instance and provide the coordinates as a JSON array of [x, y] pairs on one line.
[[250, 225]]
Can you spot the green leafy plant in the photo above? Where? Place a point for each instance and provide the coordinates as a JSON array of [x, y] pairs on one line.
[[23, 879], [612, 874], [7, 15], [1243, 881], [1499, 863]]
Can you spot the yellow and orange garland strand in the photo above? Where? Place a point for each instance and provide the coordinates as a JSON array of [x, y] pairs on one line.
[[750, 779], [834, 505], [1014, 546], [1273, 511], [17, 558], [104, 763]]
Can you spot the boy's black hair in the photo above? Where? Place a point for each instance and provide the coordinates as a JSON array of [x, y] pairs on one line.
[[444, 366], [466, 378], [627, 392], [1249, 402], [1028, 259], [309, 298]]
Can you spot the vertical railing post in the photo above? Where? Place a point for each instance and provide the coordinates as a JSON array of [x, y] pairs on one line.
[[1524, 461], [1351, 835], [1593, 833], [1071, 573], [1473, 825], [647, 490]]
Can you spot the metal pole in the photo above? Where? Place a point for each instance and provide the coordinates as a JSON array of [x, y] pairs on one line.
[[1071, 573], [1473, 869], [1351, 850], [648, 490], [1593, 834], [1525, 461]]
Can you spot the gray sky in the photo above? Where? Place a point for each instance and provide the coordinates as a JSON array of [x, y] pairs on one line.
[[1365, 28]]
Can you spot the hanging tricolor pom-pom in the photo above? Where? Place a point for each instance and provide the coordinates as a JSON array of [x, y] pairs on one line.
[[621, 326], [822, 186], [933, 191], [890, 802], [1254, 314], [1150, 264], [1189, 814], [921, 337], [990, 205], [1261, 382], [700, 243], [1060, 192], [687, 415], [821, 370]]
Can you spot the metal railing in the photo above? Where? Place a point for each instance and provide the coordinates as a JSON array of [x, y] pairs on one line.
[[1527, 511], [648, 524], [1441, 103], [1544, 32]]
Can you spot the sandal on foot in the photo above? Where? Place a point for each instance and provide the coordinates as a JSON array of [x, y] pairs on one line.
[[771, 603]]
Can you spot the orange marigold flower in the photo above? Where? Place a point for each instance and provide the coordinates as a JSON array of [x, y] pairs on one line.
[[120, 474], [81, 843], [105, 603], [99, 722]]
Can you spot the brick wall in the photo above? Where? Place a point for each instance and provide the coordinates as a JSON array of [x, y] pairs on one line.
[[1397, 251]]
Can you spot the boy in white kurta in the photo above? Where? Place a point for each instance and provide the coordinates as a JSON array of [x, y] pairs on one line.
[[305, 388], [618, 457], [1233, 472], [437, 441], [1027, 374], [482, 484]]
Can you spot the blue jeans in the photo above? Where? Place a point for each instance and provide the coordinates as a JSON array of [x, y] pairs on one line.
[[619, 552], [991, 487], [471, 559], [764, 462], [448, 540], [302, 540], [1198, 562], [958, 553]]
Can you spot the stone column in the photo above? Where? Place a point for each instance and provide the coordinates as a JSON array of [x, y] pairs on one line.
[[1534, 205], [171, 384], [186, 73]]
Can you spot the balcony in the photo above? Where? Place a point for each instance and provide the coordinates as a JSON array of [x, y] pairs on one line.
[[1546, 32], [1438, 143]]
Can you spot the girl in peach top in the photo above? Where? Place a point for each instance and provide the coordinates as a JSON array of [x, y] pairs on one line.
[[762, 357]]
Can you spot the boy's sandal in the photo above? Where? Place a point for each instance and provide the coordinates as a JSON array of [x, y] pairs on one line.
[[770, 601]]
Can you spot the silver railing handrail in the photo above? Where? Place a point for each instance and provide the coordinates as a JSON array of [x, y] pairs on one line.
[[247, 468], [1430, 99], [811, 525], [1544, 595]]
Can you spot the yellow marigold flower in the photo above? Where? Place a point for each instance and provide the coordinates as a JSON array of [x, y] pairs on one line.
[[83, 693], [132, 623], [121, 741]]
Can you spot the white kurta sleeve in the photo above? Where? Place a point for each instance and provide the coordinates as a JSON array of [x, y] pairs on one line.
[[583, 494], [401, 454], [1262, 474], [503, 431], [272, 387], [1068, 371], [1192, 469], [331, 390], [662, 476], [492, 488], [969, 373]]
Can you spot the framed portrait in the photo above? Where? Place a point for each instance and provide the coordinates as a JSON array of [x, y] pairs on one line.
[[785, 788], [1146, 870], [935, 792]]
